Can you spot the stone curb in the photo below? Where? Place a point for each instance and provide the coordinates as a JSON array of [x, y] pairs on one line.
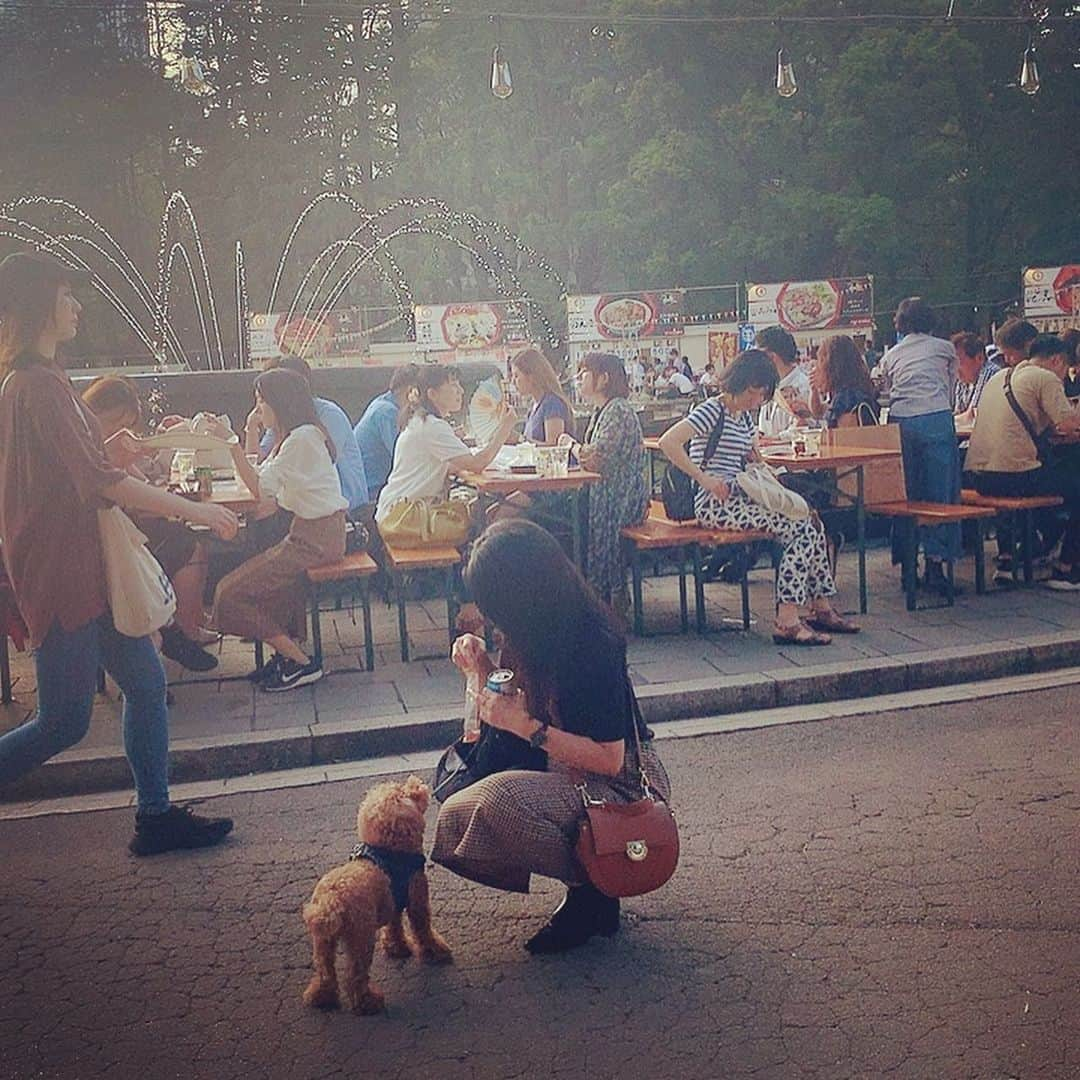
[[217, 757]]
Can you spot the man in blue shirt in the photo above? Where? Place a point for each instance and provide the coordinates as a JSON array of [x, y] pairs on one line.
[[377, 430], [347, 457]]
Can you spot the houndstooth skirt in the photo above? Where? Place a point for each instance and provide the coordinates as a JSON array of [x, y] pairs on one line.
[[511, 825]]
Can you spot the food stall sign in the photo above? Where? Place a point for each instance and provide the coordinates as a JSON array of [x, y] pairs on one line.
[[471, 328], [1052, 290], [626, 315], [813, 305], [340, 336]]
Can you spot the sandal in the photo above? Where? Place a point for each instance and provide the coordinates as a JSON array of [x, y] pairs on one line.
[[799, 634], [832, 623]]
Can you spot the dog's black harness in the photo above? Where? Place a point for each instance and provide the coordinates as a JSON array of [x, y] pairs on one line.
[[398, 866]]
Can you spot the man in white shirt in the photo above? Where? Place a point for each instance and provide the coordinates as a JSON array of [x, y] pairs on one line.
[[791, 402]]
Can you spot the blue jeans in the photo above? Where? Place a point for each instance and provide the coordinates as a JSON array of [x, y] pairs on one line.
[[67, 665], [932, 474]]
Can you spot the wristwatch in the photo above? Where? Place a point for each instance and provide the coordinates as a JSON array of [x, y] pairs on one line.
[[539, 737]]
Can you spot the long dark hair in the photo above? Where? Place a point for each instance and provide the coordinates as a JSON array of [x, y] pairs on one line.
[[523, 582], [289, 395], [610, 365], [29, 285], [843, 366]]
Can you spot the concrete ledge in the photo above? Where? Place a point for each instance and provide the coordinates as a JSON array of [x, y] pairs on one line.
[[340, 740]]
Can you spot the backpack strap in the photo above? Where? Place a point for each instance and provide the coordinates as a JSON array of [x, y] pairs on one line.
[[715, 436]]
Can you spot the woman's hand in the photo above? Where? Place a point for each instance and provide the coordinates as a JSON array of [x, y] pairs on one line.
[[469, 654], [218, 519], [566, 439], [590, 457], [507, 712], [716, 487], [216, 428]]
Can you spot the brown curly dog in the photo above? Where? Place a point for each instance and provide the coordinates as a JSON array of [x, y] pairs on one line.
[[384, 877]]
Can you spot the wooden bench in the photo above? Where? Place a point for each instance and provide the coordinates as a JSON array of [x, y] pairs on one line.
[[1015, 508], [915, 515], [401, 561], [354, 568], [659, 533]]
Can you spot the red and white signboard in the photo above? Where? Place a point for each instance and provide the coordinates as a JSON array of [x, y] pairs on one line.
[[619, 316], [813, 305], [471, 329], [1052, 291], [339, 338]]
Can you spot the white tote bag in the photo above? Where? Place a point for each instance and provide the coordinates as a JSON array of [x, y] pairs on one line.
[[759, 483], [140, 594]]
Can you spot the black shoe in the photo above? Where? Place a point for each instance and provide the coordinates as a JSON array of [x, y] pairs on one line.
[[934, 580], [584, 912], [176, 645], [261, 674], [177, 829], [289, 675]]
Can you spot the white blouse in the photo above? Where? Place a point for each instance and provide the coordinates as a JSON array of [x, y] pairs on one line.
[[301, 476]]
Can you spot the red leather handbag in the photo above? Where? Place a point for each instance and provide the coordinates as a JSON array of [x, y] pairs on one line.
[[627, 849]]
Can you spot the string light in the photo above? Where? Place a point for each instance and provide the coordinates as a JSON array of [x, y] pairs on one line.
[[1029, 71], [786, 86]]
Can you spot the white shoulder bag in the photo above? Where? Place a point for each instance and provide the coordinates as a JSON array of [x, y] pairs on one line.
[[759, 483]]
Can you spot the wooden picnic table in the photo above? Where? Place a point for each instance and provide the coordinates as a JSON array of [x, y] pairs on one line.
[[840, 461], [494, 485]]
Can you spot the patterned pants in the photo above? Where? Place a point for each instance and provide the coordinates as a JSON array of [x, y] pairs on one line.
[[804, 573], [510, 825]]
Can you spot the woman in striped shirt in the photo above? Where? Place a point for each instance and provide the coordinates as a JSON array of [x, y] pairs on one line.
[[804, 579]]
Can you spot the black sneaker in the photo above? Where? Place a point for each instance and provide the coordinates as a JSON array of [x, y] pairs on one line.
[[179, 828], [1064, 580], [289, 675], [260, 674], [176, 645]]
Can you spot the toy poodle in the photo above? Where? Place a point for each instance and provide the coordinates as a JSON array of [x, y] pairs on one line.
[[383, 877]]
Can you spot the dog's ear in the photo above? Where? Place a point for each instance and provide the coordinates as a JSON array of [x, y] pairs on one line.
[[415, 789]]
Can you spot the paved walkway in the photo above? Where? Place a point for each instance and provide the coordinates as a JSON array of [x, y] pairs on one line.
[[229, 706], [888, 895]]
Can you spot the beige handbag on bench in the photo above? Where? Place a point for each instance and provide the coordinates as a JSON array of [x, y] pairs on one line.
[[417, 523]]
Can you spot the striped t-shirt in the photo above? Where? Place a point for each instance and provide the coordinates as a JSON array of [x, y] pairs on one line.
[[734, 447]]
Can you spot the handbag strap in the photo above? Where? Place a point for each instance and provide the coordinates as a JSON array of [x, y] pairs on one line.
[[1022, 416]]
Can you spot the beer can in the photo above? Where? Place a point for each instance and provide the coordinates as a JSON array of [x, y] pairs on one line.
[[501, 681]]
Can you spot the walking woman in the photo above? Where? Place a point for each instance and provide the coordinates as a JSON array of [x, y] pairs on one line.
[[54, 477], [572, 702], [920, 371], [263, 598], [804, 579], [615, 448]]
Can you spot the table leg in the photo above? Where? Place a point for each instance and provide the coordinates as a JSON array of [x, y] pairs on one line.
[[684, 620], [316, 627], [403, 630], [910, 568], [1029, 547], [451, 603], [635, 586], [369, 641], [6, 697], [699, 590], [860, 523], [980, 557]]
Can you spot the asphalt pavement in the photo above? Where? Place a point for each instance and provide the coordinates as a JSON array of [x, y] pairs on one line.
[[886, 895]]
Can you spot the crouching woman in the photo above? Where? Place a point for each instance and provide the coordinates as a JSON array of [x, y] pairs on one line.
[[263, 598], [572, 701]]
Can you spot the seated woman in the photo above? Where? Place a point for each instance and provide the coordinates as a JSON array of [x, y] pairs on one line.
[[805, 578], [551, 414], [113, 400], [572, 701], [615, 448], [428, 451], [263, 598], [841, 390]]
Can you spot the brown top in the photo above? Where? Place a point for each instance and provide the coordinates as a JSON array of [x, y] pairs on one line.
[[1000, 442], [52, 473]]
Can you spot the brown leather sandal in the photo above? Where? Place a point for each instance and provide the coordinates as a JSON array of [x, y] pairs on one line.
[[799, 634], [831, 623]]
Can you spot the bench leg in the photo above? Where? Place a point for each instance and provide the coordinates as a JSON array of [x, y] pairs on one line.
[[635, 592], [451, 604], [316, 628], [403, 630], [744, 589], [910, 567], [699, 590], [980, 557], [684, 620], [950, 582], [1029, 547], [1014, 546], [6, 697], [369, 641], [260, 659]]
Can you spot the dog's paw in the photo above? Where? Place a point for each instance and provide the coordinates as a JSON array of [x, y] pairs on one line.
[[369, 1002], [436, 951], [321, 995], [398, 948]]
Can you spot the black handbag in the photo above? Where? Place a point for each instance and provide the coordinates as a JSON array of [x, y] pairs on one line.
[[463, 763], [677, 489]]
